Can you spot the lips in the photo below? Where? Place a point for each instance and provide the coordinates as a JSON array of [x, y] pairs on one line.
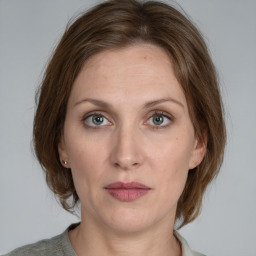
[[127, 192]]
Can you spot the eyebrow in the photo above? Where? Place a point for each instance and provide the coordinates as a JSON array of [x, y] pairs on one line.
[[149, 104], [156, 102]]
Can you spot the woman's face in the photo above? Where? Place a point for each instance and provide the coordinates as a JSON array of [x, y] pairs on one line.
[[128, 139]]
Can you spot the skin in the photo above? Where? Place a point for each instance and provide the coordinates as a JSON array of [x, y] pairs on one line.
[[129, 145]]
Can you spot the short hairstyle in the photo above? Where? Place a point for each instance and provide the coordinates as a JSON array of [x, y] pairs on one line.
[[115, 24]]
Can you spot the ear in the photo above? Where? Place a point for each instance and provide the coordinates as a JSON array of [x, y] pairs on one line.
[[64, 160], [198, 152]]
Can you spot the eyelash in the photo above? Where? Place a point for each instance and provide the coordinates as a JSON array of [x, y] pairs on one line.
[[90, 115], [162, 114], [156, 113]]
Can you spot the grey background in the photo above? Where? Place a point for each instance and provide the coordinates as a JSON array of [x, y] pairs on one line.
[[29, 30]]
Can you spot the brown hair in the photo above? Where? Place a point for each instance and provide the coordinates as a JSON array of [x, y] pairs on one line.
[[115, 24]]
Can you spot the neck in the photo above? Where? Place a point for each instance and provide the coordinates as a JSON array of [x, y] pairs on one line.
[[92, 239]]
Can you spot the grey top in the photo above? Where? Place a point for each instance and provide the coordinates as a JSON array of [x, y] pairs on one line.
[[61, 246]]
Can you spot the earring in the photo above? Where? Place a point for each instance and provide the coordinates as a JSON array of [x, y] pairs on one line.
[[64, 162]]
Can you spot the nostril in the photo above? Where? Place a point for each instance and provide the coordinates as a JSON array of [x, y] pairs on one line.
[[126, 165]]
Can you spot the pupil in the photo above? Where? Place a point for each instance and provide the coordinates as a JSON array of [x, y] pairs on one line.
[[158, 120], [97, 119]]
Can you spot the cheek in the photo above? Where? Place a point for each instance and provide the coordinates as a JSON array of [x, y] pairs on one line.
[[172, 152], [86, 165], [171, 164], [84, 150], [81, 156]]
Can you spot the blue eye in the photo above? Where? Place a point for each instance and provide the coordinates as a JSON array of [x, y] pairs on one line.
[[159, 119], [96, 119]]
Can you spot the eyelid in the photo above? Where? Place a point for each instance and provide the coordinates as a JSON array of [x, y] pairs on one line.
[[147, 116], [87, 115], [164, 114]]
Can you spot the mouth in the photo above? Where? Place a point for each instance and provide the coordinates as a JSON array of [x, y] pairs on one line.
[[127, 192]]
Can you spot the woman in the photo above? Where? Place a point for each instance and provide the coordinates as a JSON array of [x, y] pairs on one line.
[[126, 126]]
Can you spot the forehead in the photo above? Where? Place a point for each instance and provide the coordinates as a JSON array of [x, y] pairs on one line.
[[136, 72], [134, 58]]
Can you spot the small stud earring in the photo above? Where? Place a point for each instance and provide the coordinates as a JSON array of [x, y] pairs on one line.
[[64, 162]]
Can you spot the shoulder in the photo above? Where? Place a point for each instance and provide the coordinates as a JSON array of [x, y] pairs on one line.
[[43, 247], [186, 250], [57, 246]]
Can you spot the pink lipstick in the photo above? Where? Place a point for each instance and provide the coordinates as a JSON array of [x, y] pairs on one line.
[[127, 192]]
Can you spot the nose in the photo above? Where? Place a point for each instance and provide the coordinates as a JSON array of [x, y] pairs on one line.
[[127, 149]]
